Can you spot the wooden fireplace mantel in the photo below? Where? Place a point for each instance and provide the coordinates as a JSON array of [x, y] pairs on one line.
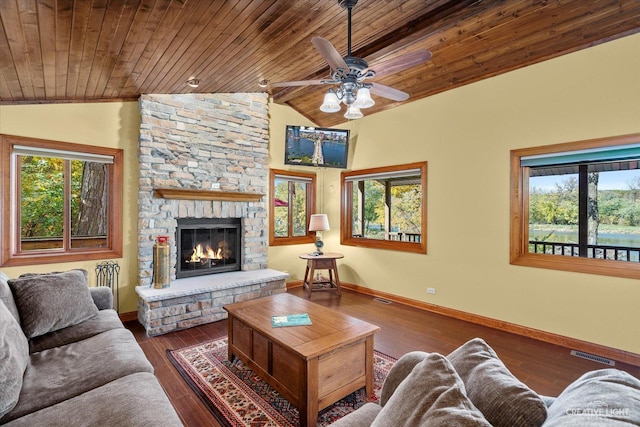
[[199, 194]]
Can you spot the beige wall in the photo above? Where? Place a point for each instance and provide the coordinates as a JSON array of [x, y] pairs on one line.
[[466, 135], [110, 124]]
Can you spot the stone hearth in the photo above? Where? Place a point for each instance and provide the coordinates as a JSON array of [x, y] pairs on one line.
[[198, 300]]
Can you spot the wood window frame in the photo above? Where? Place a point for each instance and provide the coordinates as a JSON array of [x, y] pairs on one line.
[[346, 208], [519, 215], [309, 237], [9, 194]]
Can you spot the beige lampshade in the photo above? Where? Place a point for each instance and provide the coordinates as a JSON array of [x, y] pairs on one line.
[[319, 222]]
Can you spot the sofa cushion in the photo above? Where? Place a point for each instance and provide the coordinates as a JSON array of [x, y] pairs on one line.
[[432, 395], [7, 296], [362, 417], [106, 320], [14, 357], [133, 400], [48, 302], [606, 397], [503, 399], [61, 373]]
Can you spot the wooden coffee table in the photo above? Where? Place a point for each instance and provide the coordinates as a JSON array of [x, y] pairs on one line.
[[310, 366]]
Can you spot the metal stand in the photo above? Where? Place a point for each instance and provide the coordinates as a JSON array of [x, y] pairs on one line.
[[108, 274]]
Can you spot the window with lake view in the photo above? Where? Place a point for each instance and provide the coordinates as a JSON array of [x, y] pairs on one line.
[[579, 205]]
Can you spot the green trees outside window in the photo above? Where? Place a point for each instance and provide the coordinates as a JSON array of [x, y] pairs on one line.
[[404, 201], [44, 197], [611, 220]]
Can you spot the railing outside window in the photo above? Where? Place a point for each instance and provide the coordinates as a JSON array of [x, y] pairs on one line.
[[616, 253]]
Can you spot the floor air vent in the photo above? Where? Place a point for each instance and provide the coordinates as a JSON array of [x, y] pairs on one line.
[[382, 300], [593, 358]]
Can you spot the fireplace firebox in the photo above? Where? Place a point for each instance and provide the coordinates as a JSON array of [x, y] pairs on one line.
[[208, 246]]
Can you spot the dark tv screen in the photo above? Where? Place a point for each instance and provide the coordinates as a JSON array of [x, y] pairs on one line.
[[312, 146]]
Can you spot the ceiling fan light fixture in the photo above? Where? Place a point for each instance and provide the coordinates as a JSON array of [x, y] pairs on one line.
[[331, 103], [353, 113], [363, 98], [349, 73]]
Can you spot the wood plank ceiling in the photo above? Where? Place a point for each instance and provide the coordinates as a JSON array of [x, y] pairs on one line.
[[101, 50]]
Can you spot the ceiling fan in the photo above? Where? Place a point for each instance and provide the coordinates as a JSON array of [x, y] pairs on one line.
[[350, 74]]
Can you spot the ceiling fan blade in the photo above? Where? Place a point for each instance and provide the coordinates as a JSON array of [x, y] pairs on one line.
[[298, 83], [400, 63], [388, 92], [329, 53]]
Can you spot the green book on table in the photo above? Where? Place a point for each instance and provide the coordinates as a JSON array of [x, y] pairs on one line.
[[290, 320]]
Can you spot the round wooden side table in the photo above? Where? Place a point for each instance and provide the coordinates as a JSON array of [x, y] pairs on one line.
[[324, 261]]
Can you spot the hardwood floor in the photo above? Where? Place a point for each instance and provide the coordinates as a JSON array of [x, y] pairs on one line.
[[546, 368]]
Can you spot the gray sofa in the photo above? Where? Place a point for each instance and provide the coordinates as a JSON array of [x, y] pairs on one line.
[[67, 359], [472, 387]]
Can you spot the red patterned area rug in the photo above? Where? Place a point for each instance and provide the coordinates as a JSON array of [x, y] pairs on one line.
[[238, 397]]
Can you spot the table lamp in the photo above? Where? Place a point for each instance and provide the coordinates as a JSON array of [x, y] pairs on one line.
[[319, 223]]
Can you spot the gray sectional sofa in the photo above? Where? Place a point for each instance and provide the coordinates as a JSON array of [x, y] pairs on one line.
[[472, 387], [67, 359]]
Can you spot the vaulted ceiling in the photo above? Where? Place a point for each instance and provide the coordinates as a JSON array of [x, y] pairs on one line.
[[102, 50]]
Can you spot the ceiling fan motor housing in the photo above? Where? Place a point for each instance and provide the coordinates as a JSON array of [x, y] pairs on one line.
[[356, 64], [355, 72]]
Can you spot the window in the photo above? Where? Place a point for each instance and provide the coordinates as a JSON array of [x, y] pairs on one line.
[[64, 201], [385, 208], [290, 207], [576, 206]]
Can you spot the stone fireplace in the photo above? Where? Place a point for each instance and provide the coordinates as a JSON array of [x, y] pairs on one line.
[[203, 158]]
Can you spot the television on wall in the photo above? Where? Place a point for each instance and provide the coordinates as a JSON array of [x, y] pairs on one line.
[[313, 146]]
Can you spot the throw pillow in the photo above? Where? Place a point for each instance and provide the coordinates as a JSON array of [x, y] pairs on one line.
[[53, 301], [432, 395], [399, 372], [14, 354], [503, 399], [604, 397]]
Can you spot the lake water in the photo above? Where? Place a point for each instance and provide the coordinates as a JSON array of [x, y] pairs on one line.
[[613, 239], [333, 153]]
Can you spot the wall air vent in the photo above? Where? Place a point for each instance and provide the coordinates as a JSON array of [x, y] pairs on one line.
[[593, 358]]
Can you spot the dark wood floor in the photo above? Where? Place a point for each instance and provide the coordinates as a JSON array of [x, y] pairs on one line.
[[546, 368]]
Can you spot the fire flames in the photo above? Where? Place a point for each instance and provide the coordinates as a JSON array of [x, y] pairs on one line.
[[199, 255]]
